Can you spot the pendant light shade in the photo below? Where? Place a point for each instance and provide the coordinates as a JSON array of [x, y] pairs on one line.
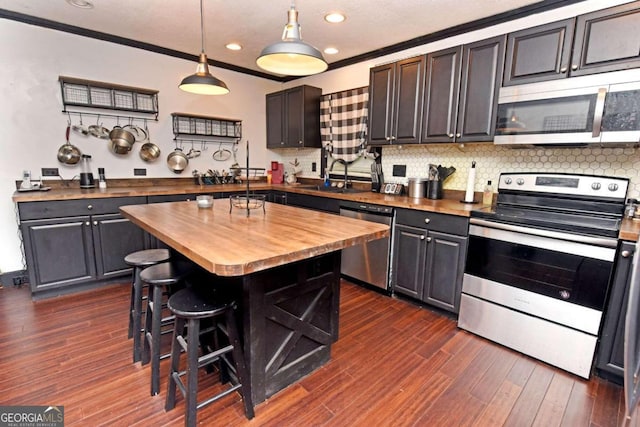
[[202, 82], [292, 56]]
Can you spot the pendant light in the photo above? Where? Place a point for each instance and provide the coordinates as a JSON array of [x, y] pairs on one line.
[[292, 56], [202, 82]]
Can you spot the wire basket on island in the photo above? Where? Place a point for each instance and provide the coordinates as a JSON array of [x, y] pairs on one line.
[[253, 201]]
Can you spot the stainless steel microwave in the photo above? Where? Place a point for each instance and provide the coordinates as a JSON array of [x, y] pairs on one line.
[[601, 109]]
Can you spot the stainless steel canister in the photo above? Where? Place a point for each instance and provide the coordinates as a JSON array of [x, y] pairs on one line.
[[417, 187]]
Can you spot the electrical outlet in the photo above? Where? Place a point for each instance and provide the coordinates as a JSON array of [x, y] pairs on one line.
[[50, 172], [313, 166], [140, 172], [399, 170]]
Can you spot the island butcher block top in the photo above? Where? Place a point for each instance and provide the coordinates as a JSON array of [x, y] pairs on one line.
[[232, 244]]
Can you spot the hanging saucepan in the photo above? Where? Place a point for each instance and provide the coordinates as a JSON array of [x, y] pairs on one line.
[[177, 160], [68, 154], [121, 140], [149, 151], [98, 130], [138, 133]]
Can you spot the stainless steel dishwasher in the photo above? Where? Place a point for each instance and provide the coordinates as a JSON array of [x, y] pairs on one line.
[[369, 262]]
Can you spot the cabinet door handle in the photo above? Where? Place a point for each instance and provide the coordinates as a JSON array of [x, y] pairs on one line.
[[458, 135], [87, 223], [422, 237], [95, 222], [574, 67], [427, 220], [429, 239], [388, 138], [300, 142], [626, 254], [89, 207], [563, 70], [393, 138], [450, 135]]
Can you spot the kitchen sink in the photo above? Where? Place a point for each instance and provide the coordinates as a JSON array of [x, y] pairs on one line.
[[333, 189]]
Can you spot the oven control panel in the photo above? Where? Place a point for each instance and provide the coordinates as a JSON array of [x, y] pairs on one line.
[[569, 184]]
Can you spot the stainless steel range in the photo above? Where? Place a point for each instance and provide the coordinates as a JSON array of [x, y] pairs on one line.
[[539, 265]]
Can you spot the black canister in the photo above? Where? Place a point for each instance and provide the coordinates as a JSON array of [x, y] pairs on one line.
[[434, 189]]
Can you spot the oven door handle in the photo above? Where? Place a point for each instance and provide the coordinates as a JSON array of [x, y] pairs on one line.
[[598, 241]]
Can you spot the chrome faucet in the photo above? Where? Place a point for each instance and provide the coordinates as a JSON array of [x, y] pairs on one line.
[[346, 173]]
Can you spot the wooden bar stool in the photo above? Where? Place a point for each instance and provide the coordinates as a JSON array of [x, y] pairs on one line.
[[162, 279], [140, 260], [190, 306]]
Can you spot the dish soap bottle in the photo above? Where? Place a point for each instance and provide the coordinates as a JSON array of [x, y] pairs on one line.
[[487, 194]]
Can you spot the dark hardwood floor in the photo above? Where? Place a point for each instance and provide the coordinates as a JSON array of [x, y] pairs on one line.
[[395, 364]]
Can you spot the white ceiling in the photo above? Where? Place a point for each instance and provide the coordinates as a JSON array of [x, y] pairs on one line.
[[175, 24]]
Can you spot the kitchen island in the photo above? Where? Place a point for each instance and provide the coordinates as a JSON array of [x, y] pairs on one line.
[[284, 265]]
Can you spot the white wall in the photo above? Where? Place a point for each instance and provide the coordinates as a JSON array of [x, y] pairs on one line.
[[33, 124]]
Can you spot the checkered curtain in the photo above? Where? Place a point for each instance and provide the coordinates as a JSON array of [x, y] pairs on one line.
[[343, 123]]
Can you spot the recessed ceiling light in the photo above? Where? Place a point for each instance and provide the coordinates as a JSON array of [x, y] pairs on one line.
[[334, 17], [82, 4], [331, 51], [233, 46]]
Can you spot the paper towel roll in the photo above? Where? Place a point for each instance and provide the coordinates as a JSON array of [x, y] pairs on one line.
[[471, 183]]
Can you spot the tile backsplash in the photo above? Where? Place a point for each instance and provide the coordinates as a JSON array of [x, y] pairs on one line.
[[491, 160]]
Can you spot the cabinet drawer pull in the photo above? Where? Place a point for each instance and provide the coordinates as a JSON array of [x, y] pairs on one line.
[[89, 207], [626, 254], [427, 220]]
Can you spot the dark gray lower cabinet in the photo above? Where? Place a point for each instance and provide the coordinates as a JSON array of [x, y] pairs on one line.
[[59, 252], [77, 242], [324, 204], [113, 238], [429, 251], [610, 363]]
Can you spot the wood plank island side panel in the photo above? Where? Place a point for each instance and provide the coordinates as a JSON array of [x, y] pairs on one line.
[[232, 244]]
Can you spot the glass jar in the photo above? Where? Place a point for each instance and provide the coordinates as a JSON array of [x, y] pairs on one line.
[[631, 208]]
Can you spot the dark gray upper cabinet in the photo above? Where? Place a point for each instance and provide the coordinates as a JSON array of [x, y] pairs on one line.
[[442, 95], [540, 53], [607, 40], [395, 102], [293, 118], [602, 41], [461, 92]]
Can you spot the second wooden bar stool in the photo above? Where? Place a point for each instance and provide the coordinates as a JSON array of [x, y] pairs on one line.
[[189, 307], [162, 279], [140, 260]]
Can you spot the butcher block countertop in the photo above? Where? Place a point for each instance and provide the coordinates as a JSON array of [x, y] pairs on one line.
[[449, 205], [234, 244], [630, 229]]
